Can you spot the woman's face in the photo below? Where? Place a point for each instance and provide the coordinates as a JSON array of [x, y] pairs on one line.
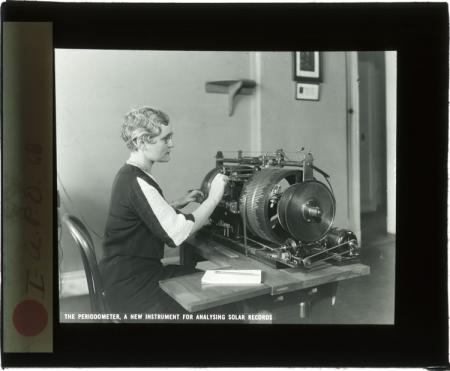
[[159, 148]]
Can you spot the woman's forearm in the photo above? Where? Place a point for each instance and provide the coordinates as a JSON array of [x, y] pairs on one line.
[[203, 212]]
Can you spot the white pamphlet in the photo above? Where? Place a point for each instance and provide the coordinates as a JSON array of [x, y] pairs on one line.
[[232, 277]]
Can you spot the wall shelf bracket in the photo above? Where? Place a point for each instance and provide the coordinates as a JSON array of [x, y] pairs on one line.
[[232, 88]]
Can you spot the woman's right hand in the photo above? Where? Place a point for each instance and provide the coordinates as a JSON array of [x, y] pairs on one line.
[[217, 188], [215, 194]]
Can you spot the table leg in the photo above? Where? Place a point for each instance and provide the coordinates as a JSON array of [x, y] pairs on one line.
[[302, 307], [333, 289], [188, 257]]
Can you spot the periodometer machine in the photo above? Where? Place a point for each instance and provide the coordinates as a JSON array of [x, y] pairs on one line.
[[276, 211], [275, 217]]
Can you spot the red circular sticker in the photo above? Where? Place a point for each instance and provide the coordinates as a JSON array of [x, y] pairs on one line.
[[30, 317]]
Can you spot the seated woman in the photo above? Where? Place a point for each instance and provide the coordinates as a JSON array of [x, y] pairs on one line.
[[140, 221]]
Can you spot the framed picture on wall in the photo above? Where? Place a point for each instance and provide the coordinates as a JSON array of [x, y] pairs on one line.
[[307, 66]]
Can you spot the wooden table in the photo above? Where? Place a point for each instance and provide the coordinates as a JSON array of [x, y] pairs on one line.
[[189, 292]]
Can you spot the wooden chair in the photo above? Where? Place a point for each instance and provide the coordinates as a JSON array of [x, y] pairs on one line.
[[85, 244]]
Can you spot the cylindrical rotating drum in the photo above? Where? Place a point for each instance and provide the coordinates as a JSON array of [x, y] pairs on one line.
[[306, 210], [259, 199]]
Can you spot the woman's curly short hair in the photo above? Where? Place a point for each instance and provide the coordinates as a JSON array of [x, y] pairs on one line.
[[141, 125]]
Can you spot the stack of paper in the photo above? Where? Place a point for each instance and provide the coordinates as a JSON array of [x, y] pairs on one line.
[[232, 277]]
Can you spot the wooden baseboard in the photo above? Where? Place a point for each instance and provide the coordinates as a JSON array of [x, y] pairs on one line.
[[73, 284]]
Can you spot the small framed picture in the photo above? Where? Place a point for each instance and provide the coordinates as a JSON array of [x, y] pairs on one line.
[[307, 91], [307, 66]]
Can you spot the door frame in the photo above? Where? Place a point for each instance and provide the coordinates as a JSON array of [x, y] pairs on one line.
[[353, 155], [391, 139], [353, 134]]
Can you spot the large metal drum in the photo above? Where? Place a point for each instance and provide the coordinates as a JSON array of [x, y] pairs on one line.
[[259, 199], [306, 210]]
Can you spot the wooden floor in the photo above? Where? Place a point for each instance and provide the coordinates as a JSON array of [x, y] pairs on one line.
[[368, 299], [363, 300]]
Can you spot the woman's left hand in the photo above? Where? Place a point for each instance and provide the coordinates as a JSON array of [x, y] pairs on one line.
[[193, 195]]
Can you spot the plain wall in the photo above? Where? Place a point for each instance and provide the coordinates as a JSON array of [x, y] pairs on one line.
[[94, 89], [319, 126]]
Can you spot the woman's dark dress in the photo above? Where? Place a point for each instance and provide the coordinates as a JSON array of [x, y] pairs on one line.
[[140, 222]]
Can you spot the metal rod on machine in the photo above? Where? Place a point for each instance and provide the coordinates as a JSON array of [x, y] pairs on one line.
[[324, 259], [255, 161], [245, 226], [307, 259], [248, 160], [258, 253], [262, 244], [291, 163]]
